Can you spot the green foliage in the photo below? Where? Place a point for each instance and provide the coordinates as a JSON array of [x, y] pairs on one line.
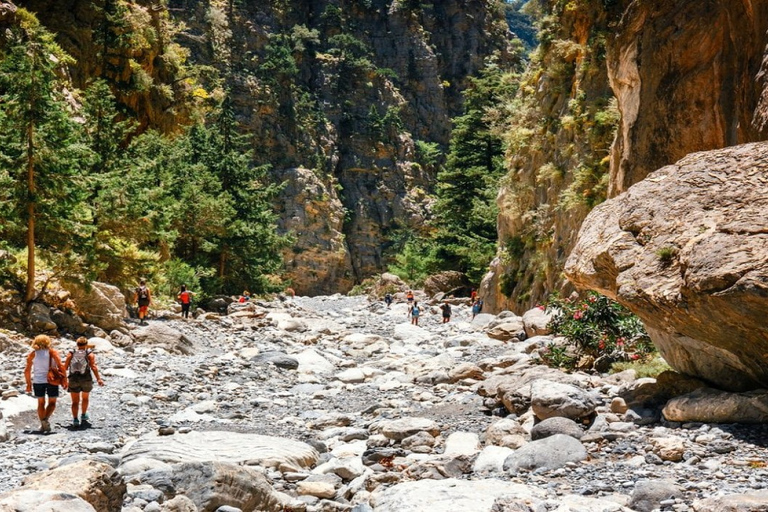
[[43, 159], [415, 262], [649, 367], [599, 327]]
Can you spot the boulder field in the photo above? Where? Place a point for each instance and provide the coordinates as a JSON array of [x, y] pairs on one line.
[[340, 404]]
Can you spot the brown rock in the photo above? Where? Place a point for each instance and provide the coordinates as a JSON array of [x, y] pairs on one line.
[[95, 482], [448, 283], [713, 406], [102, 305], [687, 251]]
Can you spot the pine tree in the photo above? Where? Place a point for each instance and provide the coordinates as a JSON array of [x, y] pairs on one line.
[[41, 152]]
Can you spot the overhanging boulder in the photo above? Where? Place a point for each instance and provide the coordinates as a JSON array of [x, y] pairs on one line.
[[686, 250]]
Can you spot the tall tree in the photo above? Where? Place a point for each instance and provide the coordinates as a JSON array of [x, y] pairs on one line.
[[41, 150], [465, 208]]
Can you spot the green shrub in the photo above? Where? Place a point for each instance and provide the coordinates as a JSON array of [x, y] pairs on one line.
[[645, 368], [666, 254], [598, 327]]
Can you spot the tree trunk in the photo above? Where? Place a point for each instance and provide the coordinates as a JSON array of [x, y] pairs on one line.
[[29, 294]]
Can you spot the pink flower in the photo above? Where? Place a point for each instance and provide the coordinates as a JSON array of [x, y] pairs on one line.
[[577, 315], [601, 345], [540, 307], [635, 356]]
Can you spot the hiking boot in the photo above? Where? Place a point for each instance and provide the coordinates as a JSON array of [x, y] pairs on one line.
[[75, 422], [85, 420], [45, 425]]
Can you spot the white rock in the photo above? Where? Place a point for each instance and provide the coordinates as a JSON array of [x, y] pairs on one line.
[[491, 459], [351, 376], [448, 495], [462, 443], [312, 362]]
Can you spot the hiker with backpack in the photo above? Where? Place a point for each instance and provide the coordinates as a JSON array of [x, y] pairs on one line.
[[45, 373], [143, 297], [185, 297], [446, 308], [414, 313], [81, 364]]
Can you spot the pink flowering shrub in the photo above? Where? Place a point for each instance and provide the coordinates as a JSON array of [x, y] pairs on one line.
[[599, 327]]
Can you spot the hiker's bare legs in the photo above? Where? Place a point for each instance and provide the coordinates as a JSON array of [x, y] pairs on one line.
[[84, 408], [41, 408], [75, 403], [48, 410]]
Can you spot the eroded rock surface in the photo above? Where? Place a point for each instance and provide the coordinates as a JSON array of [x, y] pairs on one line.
[[687, 251]]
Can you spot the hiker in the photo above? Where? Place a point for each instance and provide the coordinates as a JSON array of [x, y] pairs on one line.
[[290, 292], [39, 361], [245, 297], [472, 296], [476, 308], [409, 297], [388, 299], [446, 312], [414, 312], [143, 297], [81, 363], [185, 297]]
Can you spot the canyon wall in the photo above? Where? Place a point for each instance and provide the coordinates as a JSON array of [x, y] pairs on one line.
[[686, 77]]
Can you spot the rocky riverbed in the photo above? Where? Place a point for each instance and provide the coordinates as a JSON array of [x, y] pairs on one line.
[[338, 403]]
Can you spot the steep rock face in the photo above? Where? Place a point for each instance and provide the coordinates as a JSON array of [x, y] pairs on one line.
[[686, 250], [686, 76], [348, 89], [311, 209], [558, 140], [145, 69]]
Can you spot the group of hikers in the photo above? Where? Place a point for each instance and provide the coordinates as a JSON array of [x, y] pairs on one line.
[[45, 372], [414, 311]]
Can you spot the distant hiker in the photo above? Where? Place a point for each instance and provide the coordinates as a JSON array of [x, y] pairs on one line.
[[446, 312], [473, 296], [476, 308], [290, 292], [414, 312], [245, 297], [185, 297], [388, 299], [143, 297], [81, 363], [42, 359], [409, 297]]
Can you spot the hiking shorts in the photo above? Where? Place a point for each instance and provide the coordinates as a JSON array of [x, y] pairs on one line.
[[80, 383], [41, 390]]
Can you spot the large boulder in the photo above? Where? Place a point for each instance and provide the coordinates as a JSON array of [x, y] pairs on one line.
[[449, 282], [249, 449], [686, 250], [449, 495], [28, 500], [95, 482], [544, 454], [714, 406], [39, 318], [158, 334], [102, 305], [210, 485]]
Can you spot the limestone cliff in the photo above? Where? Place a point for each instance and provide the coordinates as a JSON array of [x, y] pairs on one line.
[[348, 89], [687, 76], [685, 249]]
